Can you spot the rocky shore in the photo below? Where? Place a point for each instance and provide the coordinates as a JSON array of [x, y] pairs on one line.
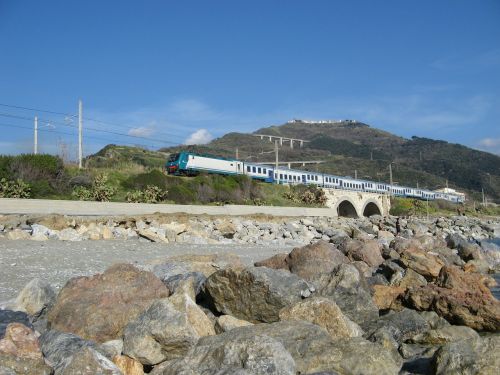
[[378, 295]]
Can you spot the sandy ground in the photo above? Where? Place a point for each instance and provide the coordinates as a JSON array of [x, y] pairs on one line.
[[58, 261]]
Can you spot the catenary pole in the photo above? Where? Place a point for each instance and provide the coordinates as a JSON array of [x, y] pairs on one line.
[[35, 142], [277, 162], [80, 131]]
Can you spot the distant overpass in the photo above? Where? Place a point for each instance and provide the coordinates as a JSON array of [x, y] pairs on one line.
[[289, 163], [282, 139]]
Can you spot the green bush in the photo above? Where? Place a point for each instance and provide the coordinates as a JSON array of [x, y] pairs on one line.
[[45, 173], [14, 189], [152, 194], [99, 191]]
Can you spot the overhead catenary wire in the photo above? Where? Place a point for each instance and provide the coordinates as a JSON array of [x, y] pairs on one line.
[[71, 115], [63, 133], [45, 121]]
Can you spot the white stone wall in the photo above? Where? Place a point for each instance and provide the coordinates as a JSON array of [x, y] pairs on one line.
[[358, 199]]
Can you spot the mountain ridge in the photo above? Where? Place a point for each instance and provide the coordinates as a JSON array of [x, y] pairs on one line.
[[355, 148]]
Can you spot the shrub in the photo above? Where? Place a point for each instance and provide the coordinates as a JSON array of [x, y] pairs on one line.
[[99, 191], [14, 189], [152, 194]]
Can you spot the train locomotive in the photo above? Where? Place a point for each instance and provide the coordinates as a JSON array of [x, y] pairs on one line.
[[189, 164]]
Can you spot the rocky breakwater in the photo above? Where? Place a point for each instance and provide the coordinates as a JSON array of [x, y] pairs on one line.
[[242, 230], [379, 298]]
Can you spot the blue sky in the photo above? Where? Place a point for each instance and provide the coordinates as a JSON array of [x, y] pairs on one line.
[[174, 70]]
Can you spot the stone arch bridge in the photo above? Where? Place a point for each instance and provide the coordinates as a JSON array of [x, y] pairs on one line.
[[356, 203]]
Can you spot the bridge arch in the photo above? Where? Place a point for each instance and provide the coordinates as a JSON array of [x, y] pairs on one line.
[[371, 208], [347, 208]]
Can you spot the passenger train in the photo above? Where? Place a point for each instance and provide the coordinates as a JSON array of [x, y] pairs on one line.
[[189, 163]]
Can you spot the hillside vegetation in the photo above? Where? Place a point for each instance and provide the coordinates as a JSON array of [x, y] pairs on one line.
[[353, 147]]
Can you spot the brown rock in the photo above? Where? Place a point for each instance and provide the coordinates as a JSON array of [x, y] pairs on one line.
[[98, 307], [21, 342], [325, 313], [227, 322], [472, 305], [411, 279], [10, 364], [369, 251], [313, 259], [196, 317], [387, 297], [424, 263], [127, 365], [206, 264], [277, 262], [453, 277]]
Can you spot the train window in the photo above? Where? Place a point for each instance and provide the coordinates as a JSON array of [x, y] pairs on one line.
[[316, 178], [173, 157], [264, 170], [259, 170], [281, 176], [254, 169], [248, 168]]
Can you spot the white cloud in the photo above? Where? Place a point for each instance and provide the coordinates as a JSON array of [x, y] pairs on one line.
[[489, 142], [141, 131], [199, 137]]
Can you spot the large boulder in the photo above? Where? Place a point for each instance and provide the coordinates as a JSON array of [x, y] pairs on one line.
[[313, 259], [425, 263], [461, 298], [445, 335], [20, 341], [35, 298], [127, 365], [369, 251], [89, 361], [232, 354], [58, 348], [348, 288], [98, 307], [8, 316], [403, 324], [311, 347], [472, 356], [167, 330], [12, 365], [277, 262], [325, 313], [254, 294]]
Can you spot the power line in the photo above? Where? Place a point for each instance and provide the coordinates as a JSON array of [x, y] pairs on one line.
[[85, 118], [90, 128]]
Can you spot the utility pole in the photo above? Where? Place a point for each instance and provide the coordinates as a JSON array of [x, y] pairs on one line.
[[35, 143], [371, 155], [80, 126], [420, 152], [237, 154], [355, 174], [277, 162], [482, 192], [390, 173]]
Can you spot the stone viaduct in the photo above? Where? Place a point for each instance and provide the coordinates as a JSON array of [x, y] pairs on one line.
[[356, 203]]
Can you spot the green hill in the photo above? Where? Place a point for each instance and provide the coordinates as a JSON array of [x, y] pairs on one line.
[[351, 148]]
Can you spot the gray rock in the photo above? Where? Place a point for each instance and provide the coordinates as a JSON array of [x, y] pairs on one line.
[[254, 294], [9, 316], [230, 353], [408, 323], [348, 288], [471, 356], [160, 333], [69, 234], [35, 298], [111, 348], [444, 335], [58, 347], [197, 278], [88, 361]]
